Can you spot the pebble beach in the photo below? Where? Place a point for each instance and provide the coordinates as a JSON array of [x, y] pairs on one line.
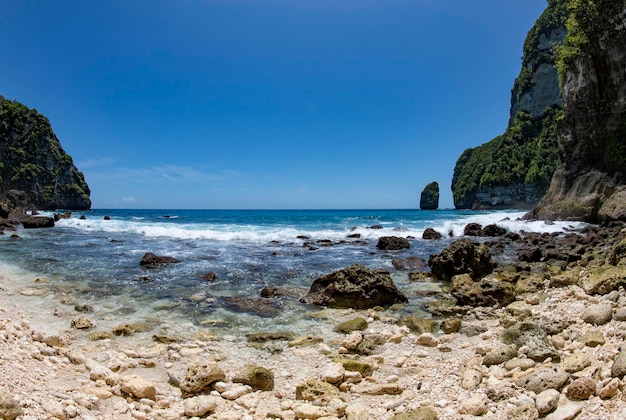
[[555, 352]]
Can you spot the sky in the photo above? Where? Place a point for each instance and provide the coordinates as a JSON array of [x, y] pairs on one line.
[[266, 104]]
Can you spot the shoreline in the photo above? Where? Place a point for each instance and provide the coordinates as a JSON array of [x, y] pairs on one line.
[[59, 372]]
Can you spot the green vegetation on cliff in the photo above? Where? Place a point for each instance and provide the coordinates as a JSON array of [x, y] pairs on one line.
[[32, 160], [583, 23], [429, 199], [552, 18], [527, 152]]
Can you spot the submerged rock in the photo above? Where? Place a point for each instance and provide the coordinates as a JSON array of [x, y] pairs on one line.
[[354, 287], [150, 260], [258, 306]]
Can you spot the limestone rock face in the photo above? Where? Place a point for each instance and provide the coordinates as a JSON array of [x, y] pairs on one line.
[[429, 199], [354, 287], [33, 161], [590, 184], [487, 176]]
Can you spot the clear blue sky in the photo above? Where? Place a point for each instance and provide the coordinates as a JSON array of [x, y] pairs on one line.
[[266, 103]]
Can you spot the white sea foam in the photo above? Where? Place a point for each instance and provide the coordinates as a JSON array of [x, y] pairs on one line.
[[288, 233]]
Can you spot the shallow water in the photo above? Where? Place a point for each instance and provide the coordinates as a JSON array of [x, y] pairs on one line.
[[96, 261]]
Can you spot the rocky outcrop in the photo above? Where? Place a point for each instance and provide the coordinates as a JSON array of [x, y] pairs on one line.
[[590, 185], [354, 287], [33, 161], [514, 169], [461, 257], [429, 200]]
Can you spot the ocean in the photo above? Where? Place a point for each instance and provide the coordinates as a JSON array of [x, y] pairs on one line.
[[95, 262]]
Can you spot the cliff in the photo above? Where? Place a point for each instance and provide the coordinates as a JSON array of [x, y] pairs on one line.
[[514, 169], [33, 161], [590, 185]]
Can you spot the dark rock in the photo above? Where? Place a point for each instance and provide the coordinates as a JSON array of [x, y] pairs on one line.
[[431, 233], [376, 227], [278, 292], [210, 277], [36, 222], [411, 263], [356, 324], [472, 229], [59, 216], [6, 207], [107, 218], [531, 255], [354, 235], [590, 184], [354, 287], [269, 336], [429, 199], [461, 257], [618, 253], [392, 243], [150, 260], [257, 306], [493, 231]]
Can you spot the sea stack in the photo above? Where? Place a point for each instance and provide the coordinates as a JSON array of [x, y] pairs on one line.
[[430, 197]]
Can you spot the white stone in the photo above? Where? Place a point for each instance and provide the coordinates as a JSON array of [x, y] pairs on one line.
[[427, 340], [236, 392], [547, 401], [333, 373], [138, 387], [200, 405], [308, 411], [476, 405]]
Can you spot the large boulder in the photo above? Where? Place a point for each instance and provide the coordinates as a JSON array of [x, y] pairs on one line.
[[461, 257], [354, 287], [488, 291], [36, 222], [392, 243]]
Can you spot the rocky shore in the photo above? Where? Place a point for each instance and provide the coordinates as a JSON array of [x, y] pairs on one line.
[[540, 336]]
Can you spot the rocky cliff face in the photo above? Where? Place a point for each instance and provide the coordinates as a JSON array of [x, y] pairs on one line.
[[429, 199], [33, 161], [514, 169], [591, 183]]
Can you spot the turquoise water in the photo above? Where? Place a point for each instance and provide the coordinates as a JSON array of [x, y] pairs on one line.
[[96, 261]]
